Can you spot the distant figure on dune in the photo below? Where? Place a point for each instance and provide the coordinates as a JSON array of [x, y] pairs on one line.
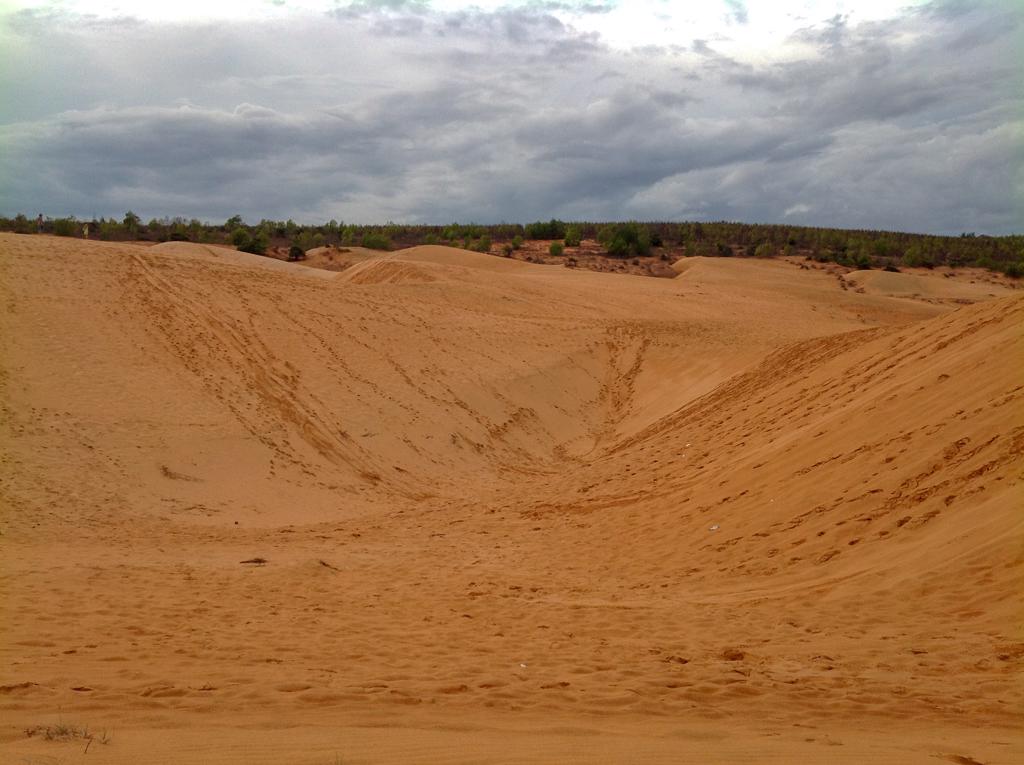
[[39, 223], [85, 230]]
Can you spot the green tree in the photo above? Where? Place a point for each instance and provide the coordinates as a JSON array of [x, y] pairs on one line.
[[131, 223], [553, 229], [624, 240], [573, 236], [21, 224]]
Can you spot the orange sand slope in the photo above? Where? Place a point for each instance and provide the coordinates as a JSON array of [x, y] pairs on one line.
[[926, 286], [444, 507]]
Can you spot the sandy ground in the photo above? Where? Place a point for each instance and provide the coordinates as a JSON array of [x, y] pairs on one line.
[[443, 507]]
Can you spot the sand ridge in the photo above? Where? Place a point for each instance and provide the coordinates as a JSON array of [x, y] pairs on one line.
[[743, 514], [926, 286]]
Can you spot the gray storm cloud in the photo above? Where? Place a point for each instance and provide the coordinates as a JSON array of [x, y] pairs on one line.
[[402, 113]]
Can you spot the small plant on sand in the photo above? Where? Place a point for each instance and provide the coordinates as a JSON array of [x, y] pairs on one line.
[[573, 236], [62, 731], [557, 249], [517, 242], [296, 253]]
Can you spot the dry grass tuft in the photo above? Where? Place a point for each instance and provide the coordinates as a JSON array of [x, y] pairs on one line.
[[65, 732]]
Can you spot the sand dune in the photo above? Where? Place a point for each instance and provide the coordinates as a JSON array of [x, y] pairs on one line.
[[947, 286], [337, 258], [190, 250], [446, 507]]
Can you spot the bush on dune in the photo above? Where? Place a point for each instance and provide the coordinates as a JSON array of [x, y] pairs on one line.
[[251, 243], [375, 241]]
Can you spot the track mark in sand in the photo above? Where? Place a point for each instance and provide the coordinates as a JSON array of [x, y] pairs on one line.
[[207, 334], [627, 346], [166, 472], [960, 759], [6, 689]]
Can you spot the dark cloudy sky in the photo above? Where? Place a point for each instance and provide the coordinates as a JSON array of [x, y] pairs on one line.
[[872, 114]]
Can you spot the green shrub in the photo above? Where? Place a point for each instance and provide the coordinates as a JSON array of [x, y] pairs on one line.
[[517, 242], [22, 225], [553, 229], [108, 229], [257, 245], [764, 250], [374, 241], [1014, 270], [296, 253], [915, 258], [65, 226], [573, 236], [557, 249], [624, 240]]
